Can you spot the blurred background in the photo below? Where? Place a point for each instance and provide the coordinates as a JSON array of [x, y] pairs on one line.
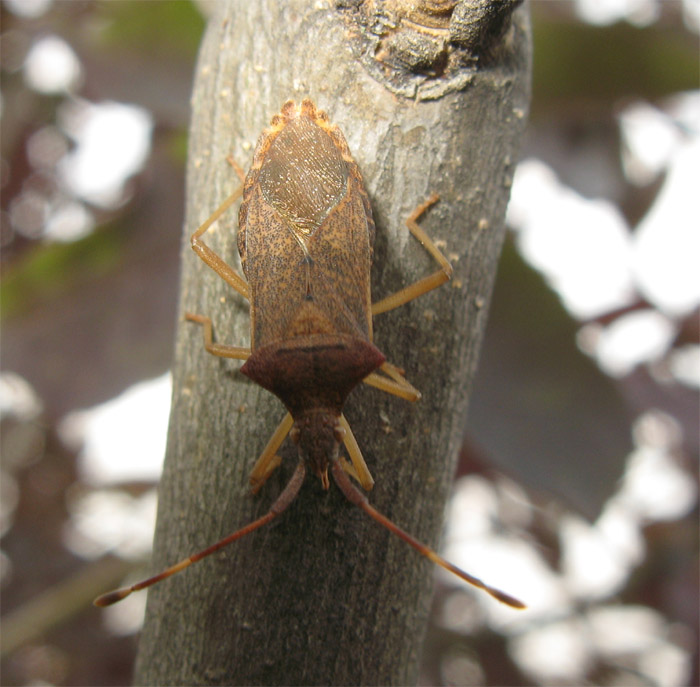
[[578, 478]]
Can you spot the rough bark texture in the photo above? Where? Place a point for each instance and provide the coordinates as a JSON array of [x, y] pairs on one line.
[[324, 595]]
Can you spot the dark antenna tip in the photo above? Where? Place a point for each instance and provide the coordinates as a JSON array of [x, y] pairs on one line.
[[506, 598], [112, 597], [355, 496]]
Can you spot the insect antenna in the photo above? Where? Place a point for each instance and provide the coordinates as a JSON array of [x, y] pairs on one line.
[[283, 500], [356, 497]]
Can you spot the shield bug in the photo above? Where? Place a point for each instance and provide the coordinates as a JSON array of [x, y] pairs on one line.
[[305, 239]]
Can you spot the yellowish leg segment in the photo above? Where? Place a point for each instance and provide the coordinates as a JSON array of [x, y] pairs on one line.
[[397, 385], [360, 470], [269, 460], [426, 284], [349, 468], [222, 350], [236, 167], [225, 271]]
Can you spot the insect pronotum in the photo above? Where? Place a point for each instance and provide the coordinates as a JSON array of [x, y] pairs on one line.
[[305, 239]]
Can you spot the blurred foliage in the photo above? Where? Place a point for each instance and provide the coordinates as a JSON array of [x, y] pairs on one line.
[[541, 409], [82, 320], [130, 25], [52, 271], [576, 61], [177, 147]]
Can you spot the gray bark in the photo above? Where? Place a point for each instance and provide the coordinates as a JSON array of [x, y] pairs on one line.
[[324, 595]]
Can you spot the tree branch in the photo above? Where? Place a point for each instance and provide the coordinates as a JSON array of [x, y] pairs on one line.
[[428, 103]]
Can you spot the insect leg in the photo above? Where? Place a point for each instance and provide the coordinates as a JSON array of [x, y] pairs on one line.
[[349, 468], [397, 385], [426, 284], [222, 350], [236, 167], [225, 271], [269, 460], [361, 471]]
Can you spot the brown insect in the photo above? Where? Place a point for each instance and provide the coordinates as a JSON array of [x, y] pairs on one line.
[[306, 239]]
